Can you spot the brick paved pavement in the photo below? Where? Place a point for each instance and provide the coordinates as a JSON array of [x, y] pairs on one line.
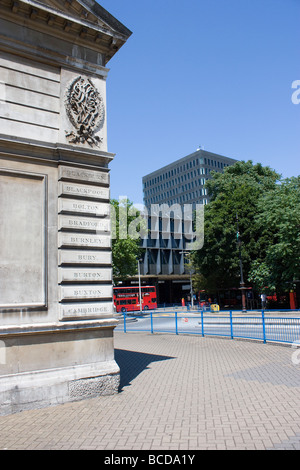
[[177, 392]]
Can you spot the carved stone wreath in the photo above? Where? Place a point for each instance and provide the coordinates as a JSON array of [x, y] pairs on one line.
[[85, 110]]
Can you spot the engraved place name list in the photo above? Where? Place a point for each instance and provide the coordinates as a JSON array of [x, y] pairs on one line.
[[84, 244]]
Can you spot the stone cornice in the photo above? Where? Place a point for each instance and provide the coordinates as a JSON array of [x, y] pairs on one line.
[[17, 148], [86, 26]]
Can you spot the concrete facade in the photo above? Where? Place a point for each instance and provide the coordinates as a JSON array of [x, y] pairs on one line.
[[183, 181], [179, 186], [56, 310]]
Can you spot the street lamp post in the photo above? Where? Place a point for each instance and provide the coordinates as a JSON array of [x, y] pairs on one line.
[[242, 284], [186, 253], [140, 290], [192, 294]]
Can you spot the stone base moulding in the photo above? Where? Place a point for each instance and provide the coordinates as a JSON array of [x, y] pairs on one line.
[[80, 364]]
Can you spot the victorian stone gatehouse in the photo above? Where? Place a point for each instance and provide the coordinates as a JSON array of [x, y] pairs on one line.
[[56, 309]]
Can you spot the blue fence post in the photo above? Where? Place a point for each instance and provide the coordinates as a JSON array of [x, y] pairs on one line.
[[151, 317], [176, 323], [263, 325], [231, 326], [124, 322], [202, 323]]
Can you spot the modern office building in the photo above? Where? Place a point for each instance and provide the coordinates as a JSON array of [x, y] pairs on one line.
[[183, 181], [180, 186]]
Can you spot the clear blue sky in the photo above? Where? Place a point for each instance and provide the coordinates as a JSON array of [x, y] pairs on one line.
[[215, 73]]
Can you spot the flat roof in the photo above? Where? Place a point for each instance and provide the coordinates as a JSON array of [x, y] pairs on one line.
[[198, 153]]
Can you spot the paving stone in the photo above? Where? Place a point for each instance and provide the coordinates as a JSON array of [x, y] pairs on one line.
[[176, 392]]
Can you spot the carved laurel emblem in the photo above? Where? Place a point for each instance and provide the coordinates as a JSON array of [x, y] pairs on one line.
[[85, 110]]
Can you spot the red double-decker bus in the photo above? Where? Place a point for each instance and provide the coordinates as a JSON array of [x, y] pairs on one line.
[[127, 299]]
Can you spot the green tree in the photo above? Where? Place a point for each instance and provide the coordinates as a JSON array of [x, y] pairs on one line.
[[126, 249], [236, 191], [279, 216]]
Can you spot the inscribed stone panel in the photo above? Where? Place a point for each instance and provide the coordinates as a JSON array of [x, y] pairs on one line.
[[22, 239]]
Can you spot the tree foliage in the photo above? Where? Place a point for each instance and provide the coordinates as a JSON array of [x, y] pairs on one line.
[[235, 192], [279, 217], [126, 248]]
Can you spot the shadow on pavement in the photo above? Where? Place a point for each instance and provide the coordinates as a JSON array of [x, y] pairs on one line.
[[132, 363]]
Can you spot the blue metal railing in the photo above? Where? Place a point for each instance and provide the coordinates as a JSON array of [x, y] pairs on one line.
[[265, 326]]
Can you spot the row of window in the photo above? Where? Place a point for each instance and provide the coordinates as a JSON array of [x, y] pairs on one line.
[[131, 301], [132, 292], [179, 189], [180, 199], [176, 181], [164, 257], [184, 168]]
